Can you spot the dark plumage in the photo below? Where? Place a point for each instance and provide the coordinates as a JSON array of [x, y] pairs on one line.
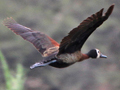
[[69, 50]]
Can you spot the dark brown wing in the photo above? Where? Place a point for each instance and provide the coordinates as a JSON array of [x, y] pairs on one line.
[[77, 37], [41, 41]]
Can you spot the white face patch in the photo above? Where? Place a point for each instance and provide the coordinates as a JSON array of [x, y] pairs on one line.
[[98, 53]]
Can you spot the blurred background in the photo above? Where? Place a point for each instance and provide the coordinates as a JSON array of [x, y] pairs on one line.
[[56, 18]]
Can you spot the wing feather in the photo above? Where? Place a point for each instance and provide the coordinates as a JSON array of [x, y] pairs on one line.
[[77, 37], [40, 40]]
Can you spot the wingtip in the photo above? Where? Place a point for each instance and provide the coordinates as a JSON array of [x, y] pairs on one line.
[[112, 6], [102, 10], [109, 11], [8, 21]]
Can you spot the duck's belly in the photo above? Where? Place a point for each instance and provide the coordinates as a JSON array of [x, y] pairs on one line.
[[60, 64]]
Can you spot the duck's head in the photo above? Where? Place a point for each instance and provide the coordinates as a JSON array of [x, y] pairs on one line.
[[95, 53]]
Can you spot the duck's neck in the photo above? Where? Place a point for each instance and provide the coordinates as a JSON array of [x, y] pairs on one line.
[[84, 56]]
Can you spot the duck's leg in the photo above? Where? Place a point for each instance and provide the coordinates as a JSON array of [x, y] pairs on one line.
[[42, 63]]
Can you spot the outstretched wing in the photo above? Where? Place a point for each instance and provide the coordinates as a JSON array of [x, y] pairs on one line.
[[40, 40], [77, 37]]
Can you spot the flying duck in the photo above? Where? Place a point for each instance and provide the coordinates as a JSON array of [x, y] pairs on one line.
[[68, 51]]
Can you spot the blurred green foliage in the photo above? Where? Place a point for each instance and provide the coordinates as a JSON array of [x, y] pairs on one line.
[[56, 18], [13, 82]]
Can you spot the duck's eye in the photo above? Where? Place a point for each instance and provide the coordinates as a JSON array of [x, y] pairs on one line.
[[98, 51]]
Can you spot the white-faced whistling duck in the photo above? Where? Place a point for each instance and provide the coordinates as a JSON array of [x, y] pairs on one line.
[[68, 51]]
